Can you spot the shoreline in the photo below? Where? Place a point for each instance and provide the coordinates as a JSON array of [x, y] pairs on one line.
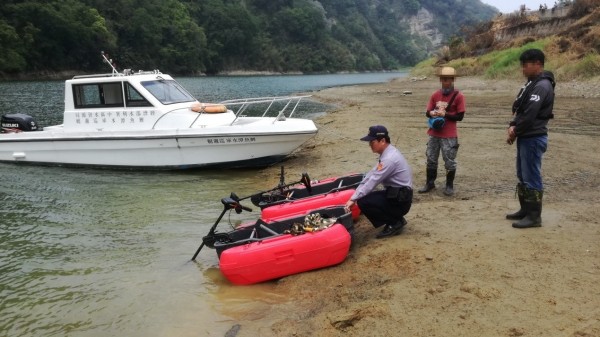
[[67, 74], [458, 268]]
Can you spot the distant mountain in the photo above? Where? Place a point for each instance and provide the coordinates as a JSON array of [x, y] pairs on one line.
[[215, 36], [568, 33]]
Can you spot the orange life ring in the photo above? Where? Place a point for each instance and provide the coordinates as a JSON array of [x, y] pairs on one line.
[[208, 108]]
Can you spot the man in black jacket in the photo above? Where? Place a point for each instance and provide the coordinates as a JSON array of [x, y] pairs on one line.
[[531, 110]]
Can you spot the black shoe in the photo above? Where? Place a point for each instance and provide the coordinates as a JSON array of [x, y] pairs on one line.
[[390, 230], [449, 191], [403, 222], [533, 207], [518, 215], [428, 187], [430, 182], [522, 212], [529, 221]]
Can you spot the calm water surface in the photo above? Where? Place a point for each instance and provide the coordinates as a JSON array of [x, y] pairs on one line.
[[88, 252]]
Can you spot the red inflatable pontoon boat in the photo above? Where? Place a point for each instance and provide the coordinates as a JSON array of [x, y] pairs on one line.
[[285, 254], [263, 251], [304, 205], [273, 247], [305, 188]]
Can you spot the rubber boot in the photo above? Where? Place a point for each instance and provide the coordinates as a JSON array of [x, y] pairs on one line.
[[449, 190], [430, 184], [520, 214], [533, 209]]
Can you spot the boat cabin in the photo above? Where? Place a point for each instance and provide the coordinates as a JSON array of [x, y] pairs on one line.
[[130, 101]]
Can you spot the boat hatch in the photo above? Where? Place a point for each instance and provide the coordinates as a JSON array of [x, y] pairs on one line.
[[168, 91]]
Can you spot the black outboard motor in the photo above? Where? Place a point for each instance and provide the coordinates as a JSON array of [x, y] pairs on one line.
[[18, 123]]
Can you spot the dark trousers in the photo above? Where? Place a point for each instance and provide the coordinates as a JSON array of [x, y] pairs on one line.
[[381, 210]]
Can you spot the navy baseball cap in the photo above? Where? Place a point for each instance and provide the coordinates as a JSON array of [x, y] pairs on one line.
[[375, 132]]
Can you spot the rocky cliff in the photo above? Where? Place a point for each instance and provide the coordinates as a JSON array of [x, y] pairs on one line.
[[575, 26], [539, 24], [423, 24]]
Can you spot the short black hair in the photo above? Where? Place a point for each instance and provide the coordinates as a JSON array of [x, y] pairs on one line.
[[387, 138], [532, 55]]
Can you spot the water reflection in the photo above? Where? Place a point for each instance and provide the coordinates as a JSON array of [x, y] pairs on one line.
[[98, 250], [87, 252]]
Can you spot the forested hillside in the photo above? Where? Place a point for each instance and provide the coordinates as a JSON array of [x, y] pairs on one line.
[[215, 36]]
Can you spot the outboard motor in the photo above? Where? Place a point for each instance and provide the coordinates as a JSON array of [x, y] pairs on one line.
[[18, 123]]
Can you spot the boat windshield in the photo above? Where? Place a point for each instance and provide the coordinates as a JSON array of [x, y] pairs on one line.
[[168, 91]]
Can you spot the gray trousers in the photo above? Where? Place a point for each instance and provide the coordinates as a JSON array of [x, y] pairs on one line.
[[449, 149]]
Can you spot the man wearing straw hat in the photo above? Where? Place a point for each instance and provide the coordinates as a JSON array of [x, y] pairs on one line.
[[445, 108]]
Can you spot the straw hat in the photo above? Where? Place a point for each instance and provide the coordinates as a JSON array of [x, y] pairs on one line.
[[447, 72]]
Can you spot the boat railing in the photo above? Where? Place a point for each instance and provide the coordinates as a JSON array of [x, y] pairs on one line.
[[287, 106]]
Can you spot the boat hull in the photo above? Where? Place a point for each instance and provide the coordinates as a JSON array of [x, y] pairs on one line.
[[285, 255], [147, 120], [160, 149]]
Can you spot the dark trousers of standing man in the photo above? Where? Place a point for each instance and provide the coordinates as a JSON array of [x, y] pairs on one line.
[[382, 209]]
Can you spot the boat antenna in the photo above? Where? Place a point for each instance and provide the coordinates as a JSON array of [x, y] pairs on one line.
[[110, 63]]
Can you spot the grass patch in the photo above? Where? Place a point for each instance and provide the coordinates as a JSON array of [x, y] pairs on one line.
[[587, 67], [505, 63], [497, 64], [424, 68]]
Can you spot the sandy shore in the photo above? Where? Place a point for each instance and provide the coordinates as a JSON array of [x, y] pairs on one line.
[[458, 268]]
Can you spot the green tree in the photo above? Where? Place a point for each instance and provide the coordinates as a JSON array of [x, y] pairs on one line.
[[212, 36], [411, 6], [305, 24], [59, 34], [154, 34], [231, 32], [11, 53]]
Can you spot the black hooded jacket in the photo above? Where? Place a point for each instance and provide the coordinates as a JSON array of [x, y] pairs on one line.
[[533, 106]]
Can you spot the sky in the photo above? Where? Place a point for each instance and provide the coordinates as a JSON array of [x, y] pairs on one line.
[[509, 6]]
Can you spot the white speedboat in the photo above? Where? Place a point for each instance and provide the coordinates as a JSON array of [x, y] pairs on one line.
[[148, 120]]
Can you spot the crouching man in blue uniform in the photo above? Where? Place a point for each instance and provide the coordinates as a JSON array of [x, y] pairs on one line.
[[385, 207]]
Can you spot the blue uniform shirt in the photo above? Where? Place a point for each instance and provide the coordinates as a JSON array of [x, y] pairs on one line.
[[392, 170]]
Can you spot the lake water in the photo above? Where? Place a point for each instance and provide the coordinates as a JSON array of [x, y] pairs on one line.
[[88, 252]]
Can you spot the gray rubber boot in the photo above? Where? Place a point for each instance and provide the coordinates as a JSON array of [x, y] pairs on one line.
[[430, 184], [449, 190]]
